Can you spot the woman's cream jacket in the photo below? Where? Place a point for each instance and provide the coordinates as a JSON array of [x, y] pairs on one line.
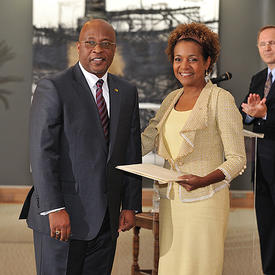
[[212, 138]]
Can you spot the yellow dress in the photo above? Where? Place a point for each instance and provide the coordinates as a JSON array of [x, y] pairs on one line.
[[192, 234]]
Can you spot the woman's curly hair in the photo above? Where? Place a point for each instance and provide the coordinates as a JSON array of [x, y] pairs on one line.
[[199, 33]]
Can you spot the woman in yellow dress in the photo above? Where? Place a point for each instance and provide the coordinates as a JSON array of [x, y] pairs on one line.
[[198, 131]]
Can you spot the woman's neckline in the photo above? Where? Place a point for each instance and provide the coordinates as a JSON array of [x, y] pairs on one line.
[[182, 111]]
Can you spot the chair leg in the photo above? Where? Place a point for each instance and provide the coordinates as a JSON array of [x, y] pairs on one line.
[[135, 266]]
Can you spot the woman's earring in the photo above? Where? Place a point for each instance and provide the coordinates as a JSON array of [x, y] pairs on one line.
[[207, 76]]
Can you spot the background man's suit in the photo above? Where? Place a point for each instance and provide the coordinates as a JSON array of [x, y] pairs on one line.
[[72, 164], [265, 182]]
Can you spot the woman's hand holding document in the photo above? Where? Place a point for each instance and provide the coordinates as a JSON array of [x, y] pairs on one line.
[[151, 171]]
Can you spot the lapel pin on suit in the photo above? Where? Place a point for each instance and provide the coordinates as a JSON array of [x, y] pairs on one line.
[[116, 90]]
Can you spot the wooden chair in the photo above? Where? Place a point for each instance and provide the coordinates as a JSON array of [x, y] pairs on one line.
[[149, 221]]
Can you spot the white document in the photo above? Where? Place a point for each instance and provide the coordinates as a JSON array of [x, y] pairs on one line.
[[151, 171]]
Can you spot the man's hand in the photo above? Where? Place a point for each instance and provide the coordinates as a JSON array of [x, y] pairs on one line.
[[60, 225], [127, 220], [255, 107]]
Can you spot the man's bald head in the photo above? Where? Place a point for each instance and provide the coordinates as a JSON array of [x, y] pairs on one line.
[[96, 46], [96, 23]]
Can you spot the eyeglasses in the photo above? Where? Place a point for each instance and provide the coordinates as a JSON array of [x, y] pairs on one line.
[[263, 44], [92, 44]]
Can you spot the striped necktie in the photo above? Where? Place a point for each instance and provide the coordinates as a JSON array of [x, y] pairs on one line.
[[268, 84], [102, 108]]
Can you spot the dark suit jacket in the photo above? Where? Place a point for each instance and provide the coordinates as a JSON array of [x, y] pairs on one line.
[[72, 165], [266, 146], [267, 127]]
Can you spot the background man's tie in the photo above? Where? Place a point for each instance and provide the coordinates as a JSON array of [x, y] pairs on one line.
[[102, 108], [268, 84]]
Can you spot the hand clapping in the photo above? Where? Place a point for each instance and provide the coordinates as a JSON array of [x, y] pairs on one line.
[[255, 107]]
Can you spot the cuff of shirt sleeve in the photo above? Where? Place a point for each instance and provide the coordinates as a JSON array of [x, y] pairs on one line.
[[51, 211], [249, 118]]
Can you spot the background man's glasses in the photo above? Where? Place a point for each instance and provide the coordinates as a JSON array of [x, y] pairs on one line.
[[263, 44], [92, 44]]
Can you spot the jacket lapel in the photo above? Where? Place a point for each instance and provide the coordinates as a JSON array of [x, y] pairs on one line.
[[259, 84], [170, 107], [162, 147], [197, 120], [85, 96], [271, 93], [115, 101]]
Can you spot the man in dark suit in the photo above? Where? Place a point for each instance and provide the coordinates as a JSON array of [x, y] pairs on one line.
[[84, 122], [258, 108]]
